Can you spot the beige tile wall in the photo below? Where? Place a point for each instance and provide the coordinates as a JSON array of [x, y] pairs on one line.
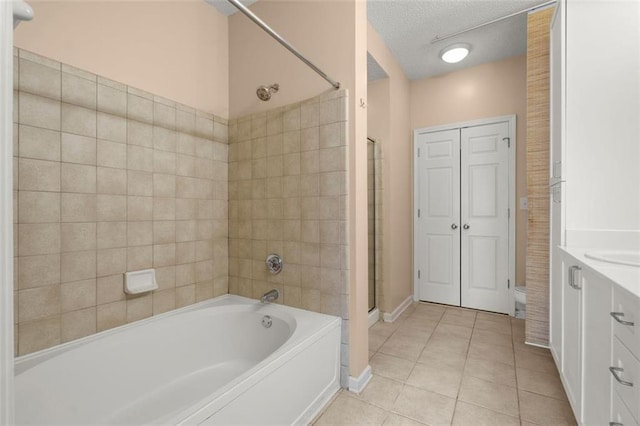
[[288, 195], [110, 179]]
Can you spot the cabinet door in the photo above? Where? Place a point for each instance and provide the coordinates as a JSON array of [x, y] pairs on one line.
[[571, 337], [596, 346]]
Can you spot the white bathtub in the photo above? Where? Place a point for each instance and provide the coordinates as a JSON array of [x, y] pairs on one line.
[[209, 363]]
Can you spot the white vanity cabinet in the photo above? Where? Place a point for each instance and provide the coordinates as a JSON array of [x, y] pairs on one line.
[[600, 356]]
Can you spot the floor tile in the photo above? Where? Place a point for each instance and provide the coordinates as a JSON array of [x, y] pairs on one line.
[[391, 367], [535, 362], [403, 347], [498, 318], [493, 396], [346, 409], [453, 330], [543, 410], [489, 351], [459, 317], [449, 344], [397, 420], [492, 371], [424, 406], [420, 316], [546, 384], [436, 376], [451, 359], [381, 392], [492, 337], [419, 334], [468, 414], [385, 328], [495, 326], [376, 340]]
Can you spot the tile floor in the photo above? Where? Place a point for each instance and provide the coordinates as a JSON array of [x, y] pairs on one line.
[[439, 365]]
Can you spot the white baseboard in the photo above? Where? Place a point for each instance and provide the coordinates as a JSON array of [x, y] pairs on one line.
[[374, 316], [391, 317], [357, 384], [537, 345]]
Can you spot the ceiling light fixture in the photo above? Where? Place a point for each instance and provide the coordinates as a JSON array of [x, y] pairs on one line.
[[455, 53]]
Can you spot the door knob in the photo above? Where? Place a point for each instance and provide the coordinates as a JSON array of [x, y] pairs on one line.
[[454, 226], [466, 226]]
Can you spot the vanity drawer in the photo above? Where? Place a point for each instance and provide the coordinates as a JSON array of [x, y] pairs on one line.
[[625, 378], [626, 311], [620, 414]]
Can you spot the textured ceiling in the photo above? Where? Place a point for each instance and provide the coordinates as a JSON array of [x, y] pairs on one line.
[[408, 26], [227, 8]]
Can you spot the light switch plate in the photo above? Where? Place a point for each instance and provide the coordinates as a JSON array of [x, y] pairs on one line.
[[524, 203]]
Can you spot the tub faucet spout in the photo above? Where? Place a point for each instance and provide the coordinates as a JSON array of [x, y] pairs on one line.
[[270, 296]]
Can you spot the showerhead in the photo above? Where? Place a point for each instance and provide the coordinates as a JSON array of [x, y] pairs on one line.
[[264, 92]]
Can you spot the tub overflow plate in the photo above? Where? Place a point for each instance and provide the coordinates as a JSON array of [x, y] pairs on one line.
[[274, 264]]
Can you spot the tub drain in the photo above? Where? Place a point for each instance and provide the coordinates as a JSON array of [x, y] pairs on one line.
[[266, 321]]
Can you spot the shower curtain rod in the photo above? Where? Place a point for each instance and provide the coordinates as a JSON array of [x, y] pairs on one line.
[[242, 8], [493, 21]]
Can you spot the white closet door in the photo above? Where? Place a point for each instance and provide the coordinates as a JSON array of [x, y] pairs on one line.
[[438, 227], [484, 216]]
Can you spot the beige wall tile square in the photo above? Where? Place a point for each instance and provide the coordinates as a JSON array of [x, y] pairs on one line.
[[139, 108], [164, 139], [78, 178], [38, 175], [77, 324], [78, 237], [166, 185], [78, 207], [78, 120], [139, 307], [37, 271], [185, 121], [330, 111], [77, 266], [38, 303], [309, 115], [140, 134], [38, 207], [139, 158], [164, 115], [111, 154], [164, 208], [185, 144], [140, 183], [164, 301], [78, 72], [185, 252], [111, 234], [309, 185], [258, 125], [112, 181], [79, 91], [111, 262], [310, 231], [291, 119], [111, 208], [164, 162], [166, 277], [78, 295], [111, 315], [185, 295], [39, 79], [333, 183], [333, 159], [185, 165], [164, 255], [140, 233], [38, 111], [291, 164], [112, 127], [291, 142], [185, 274], [41, 144], [164, 232], [36, 335], [110, 289], [309, 162], [139, 258], [204, 291], [78, 149], [331, 135], [204, 126], [38, 239], [112, 100], [139, 208]]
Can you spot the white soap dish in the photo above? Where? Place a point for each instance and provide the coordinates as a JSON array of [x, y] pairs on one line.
[[137, 282]]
